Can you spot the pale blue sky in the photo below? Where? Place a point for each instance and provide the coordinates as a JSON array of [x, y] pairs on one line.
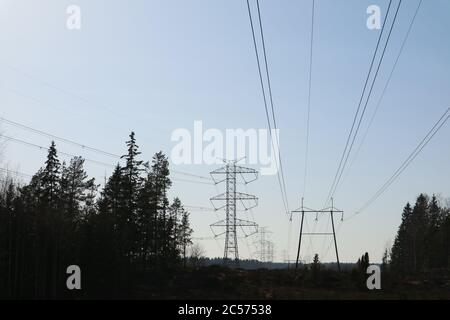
[[155, 66]]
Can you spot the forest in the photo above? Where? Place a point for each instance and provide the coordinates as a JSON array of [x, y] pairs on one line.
[[422, 243], [126, 232], [131, 241]]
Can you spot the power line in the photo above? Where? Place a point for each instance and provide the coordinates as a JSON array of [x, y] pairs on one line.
[[18, 173], [265, 99], [30, 176], [368, 98], [21, 173], [437, 126], [199, 208], [57, 88], [202, 238], [192, 175], [60, 152], [52, 136], [347, 149], [83, 146], [86, 159], [309, 99], [46, 83], [283, 193], [49, 135], [386, 85], [271, 102], [50, 85], [359, 104], [271, 99], [191, 181]]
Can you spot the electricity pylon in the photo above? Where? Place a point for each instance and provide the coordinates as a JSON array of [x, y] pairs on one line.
[[264, 245], [232, 198], [331, 210]]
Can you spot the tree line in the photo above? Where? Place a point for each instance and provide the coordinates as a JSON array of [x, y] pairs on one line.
[[126, 231], [423, 239]]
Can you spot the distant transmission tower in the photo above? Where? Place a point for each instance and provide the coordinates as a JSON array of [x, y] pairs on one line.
[[270, 251], [264, 245], [232, 199]]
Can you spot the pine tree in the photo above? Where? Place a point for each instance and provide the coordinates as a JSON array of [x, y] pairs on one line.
[[132, 180], [56, 220], [75, 188], [401, 255], [434, 213], [184, 235], [160, 184], [419, 226], [90, 194], [176, 211], [432, 236], [50, 225], [51, 178], [8, 249], [385, 260], [77, 194], [445, 236], [316, 262], [131, 184], [146, 222], [109, 202], [102, 248]]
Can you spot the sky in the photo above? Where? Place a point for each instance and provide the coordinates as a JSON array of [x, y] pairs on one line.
[[157, 66]]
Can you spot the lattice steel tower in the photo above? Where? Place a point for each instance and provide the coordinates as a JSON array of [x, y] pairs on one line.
[[264, 245], [233, 199]]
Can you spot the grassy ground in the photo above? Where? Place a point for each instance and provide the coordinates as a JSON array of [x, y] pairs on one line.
[[222, 283]]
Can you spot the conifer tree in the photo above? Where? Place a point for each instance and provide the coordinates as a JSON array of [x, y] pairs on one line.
[[74, 188], [160, 184], [401, 256], [385, 260], [433, 240], [57, 220], [130, 187], [132, 180], [51, 177], [184, 234], [419, 226]]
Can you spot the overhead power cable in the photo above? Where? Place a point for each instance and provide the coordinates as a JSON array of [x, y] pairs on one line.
[[309, 98], [405, 39], [46, 149], [422, 144], [18, 173], [271, 101], [48, 135], [353, 134], [359, 105], [83, 146], [279, 172], [367, 100]]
